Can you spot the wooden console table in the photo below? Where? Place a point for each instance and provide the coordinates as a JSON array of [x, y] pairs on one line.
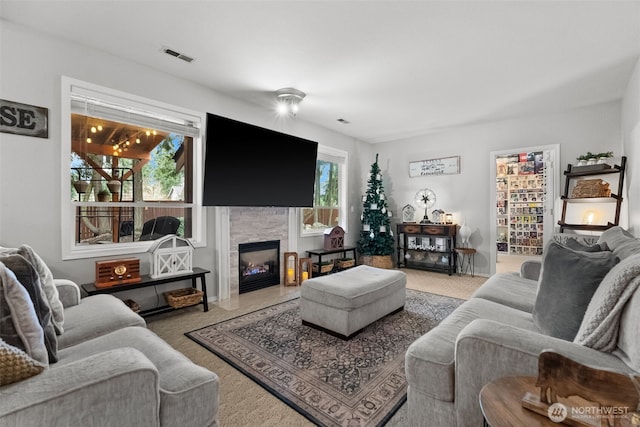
[[427, 246], [198, 273]]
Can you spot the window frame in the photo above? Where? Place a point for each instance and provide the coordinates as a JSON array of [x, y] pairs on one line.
[[71, 250], [340, 157]]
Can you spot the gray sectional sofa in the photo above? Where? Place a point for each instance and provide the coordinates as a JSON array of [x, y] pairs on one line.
[[511, 318], [110, 369]]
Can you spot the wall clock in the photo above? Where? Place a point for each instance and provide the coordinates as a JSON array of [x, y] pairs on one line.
[[426, 199]]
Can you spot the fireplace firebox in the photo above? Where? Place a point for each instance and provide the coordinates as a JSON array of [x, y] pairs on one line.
[[259, 265]]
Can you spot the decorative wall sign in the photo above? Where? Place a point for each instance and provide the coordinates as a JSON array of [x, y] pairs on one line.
[[441, 166], [24, 119]]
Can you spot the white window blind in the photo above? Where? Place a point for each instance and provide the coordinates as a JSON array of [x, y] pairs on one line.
[[107, 107]]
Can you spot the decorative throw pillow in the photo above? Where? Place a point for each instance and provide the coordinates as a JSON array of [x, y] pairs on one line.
[[16, 365], [567, 282], [19, 325], [577, 246], [599, 328], [622, 243], [46, 279], [28, 277]]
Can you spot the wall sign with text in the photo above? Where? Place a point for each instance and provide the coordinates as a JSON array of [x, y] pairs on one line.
[[24, 119], [441, 166]]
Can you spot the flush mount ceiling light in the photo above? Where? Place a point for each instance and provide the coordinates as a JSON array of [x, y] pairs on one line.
[[288, 100]]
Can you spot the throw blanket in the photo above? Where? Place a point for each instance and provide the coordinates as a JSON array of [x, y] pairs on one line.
[[601, 321]]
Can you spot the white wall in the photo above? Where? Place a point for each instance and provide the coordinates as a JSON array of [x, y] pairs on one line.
[[631, 141], [31, 67], [467, 195]]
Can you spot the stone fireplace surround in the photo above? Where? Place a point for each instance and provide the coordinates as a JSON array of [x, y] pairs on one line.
[[235, 225]]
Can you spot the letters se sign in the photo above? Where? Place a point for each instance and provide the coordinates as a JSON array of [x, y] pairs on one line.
[[24, 119]]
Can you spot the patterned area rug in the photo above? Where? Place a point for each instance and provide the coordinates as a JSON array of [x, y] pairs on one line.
[[355, 383]]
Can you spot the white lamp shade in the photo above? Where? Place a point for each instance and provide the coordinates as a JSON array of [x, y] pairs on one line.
[[465, 233]]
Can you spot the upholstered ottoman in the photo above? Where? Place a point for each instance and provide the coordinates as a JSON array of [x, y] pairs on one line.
[[344, 303]]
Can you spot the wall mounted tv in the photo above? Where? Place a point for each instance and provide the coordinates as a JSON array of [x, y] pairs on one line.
[[247, 165]]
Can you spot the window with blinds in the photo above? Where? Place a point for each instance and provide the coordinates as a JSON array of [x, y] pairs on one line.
[[132, 171]]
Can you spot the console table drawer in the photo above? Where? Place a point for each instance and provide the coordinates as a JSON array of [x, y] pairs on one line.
[[411, 229], [435, 229]]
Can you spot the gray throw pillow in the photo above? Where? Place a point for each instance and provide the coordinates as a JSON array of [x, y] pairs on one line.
[[46, 280], [577, 246], [29, 278], [567, 282], [19, 325]]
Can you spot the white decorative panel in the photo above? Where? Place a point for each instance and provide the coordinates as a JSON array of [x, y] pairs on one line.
[[170, 256]]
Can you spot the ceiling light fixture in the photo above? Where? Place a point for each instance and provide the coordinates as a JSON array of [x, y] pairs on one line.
[[288, 100]]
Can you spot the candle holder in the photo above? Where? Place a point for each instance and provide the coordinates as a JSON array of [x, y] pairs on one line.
[[305, 266], [290, 269]]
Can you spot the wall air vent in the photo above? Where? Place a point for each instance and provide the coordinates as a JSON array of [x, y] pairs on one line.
[[177, 54]]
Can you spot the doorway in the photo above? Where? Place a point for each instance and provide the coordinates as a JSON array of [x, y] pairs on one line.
[[522, 204]]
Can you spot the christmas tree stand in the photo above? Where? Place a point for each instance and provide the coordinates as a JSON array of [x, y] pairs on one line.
[[380, 261]]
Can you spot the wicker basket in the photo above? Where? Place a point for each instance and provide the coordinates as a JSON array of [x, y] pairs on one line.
[[324, 268], [345, 262], [179, 298], [380, 261], [132, 305]]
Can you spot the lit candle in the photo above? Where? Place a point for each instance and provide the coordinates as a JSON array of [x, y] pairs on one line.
[[290, 275], [383, 229], [305, 276], [366, 227]]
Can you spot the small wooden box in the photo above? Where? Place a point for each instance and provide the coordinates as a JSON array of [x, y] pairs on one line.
[[117, 272]]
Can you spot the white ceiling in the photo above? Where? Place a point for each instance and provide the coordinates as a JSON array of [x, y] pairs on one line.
[[394, 69]]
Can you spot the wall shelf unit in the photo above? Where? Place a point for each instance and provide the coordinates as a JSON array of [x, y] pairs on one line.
[[597, 180]]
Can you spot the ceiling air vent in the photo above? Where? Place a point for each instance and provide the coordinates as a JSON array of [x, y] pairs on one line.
[[177, 54]]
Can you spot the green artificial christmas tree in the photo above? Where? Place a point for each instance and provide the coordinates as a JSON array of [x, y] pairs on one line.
[[376, 237]]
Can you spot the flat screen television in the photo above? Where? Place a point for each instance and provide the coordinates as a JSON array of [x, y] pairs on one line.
[[248, 165]]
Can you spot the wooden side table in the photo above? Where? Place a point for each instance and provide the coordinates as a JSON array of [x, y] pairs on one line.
[[501, 404], [466, 263]]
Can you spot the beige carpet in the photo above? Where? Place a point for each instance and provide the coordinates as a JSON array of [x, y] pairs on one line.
[[244, 403]]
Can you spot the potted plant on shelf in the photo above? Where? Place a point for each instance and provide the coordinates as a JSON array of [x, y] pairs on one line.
[[81, 183], [586, 159], [604, 157]]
